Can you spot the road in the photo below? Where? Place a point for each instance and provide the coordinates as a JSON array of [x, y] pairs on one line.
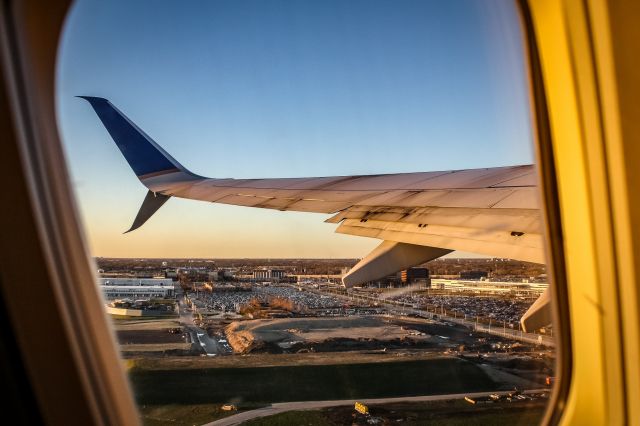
[[209, 345], [282, 407]]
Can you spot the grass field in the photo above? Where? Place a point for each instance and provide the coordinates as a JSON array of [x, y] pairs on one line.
[[306, 418], [186, 415], [308, 383], [181, 415], [437, 413]]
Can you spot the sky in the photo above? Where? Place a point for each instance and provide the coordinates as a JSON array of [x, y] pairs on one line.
[[256, 88]]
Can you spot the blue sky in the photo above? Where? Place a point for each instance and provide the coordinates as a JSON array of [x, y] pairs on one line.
[[278, 89]]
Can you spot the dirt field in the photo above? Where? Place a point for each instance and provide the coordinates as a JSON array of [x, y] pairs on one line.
[[142, 336], [164, 348], [288, 333], [132, 337], [145, 324], [275, 360]]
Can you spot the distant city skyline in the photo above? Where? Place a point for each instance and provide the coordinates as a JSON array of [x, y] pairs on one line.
[[282, 89]]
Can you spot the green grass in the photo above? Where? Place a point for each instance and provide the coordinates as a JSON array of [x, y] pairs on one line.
[[187, 414], [436, 413], [455, 413], [308, 383], [181, 415]]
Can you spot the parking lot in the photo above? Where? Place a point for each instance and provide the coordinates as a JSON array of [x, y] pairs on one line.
[[233, 301]]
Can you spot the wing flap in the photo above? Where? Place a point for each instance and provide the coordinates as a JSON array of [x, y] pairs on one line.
[[527, 247], [520, 220]]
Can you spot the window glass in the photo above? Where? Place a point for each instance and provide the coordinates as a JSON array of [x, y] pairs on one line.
[[226, 308]]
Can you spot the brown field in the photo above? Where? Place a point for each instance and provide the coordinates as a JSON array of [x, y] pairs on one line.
[[245, 336], [145, 324], [156, 347], [133, 337], [149, 335], [278, 360]]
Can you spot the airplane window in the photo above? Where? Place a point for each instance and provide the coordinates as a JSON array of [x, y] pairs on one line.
[[313, 212]]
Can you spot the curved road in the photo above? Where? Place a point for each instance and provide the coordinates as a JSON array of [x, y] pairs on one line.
[[282, 407]]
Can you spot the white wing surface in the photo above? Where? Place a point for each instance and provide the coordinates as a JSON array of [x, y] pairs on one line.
[[418, 216]]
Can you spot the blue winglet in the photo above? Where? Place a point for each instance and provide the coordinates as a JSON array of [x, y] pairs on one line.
[[145, 156]]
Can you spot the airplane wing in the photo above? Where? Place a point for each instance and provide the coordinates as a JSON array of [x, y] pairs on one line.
[[419, 216]]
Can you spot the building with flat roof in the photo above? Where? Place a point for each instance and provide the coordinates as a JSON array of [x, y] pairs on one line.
[[137, 282], [137, 288], [137, 292], [269, 274], [491, 287]]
